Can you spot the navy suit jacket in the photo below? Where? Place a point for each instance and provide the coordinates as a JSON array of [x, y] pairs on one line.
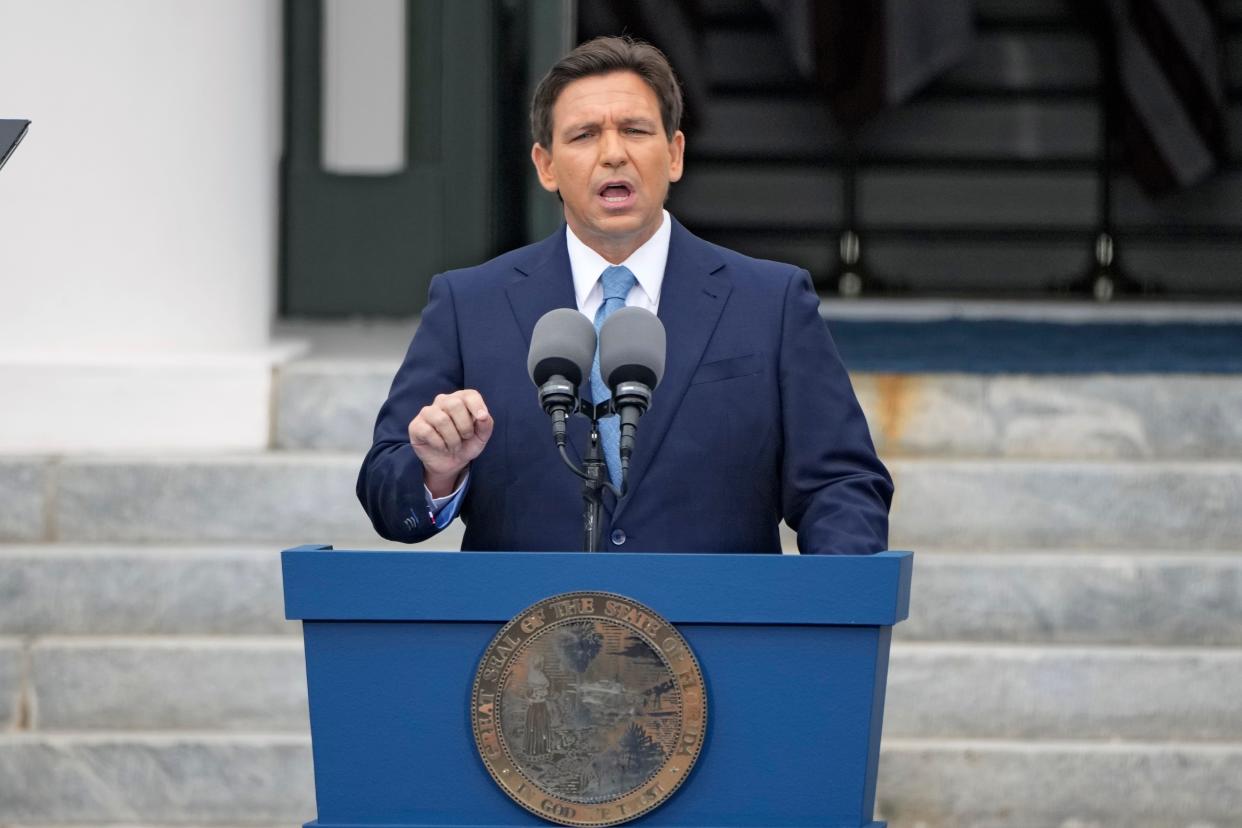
[[754, 421]]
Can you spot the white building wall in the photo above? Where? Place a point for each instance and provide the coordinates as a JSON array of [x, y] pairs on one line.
[[138, 224]]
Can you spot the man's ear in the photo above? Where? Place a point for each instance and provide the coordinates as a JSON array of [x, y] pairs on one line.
[[677, 156], [542, 160]]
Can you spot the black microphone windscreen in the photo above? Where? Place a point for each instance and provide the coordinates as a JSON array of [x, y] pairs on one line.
[[563, 343], [632, 348]]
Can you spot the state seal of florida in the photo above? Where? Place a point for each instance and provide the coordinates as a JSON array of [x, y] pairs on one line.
[[588, 709]]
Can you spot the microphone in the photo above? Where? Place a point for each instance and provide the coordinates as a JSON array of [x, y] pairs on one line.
[[562, 349], [632, 349]]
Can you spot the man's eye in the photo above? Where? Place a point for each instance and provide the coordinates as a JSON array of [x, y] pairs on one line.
[[580, 136]]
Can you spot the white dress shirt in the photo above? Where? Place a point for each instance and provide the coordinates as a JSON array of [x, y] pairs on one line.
[[646, 263]]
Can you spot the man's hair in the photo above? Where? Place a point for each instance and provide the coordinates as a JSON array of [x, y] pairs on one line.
[[603, 56]]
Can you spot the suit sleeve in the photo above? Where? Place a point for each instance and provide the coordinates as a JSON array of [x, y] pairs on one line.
[[836, 493], [390, 483]]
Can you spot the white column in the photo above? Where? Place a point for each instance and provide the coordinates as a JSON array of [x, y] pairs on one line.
[[138, 224]]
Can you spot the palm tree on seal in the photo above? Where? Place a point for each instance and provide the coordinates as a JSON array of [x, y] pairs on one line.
[[640, 754]]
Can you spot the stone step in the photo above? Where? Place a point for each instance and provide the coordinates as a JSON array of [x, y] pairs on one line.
[[286, 497], [1049, 504], [1054, 417], [260, 779], [136, 589], [330, 405], [24, 484], [152, 589], [987, 784], [12, 687], [1075, 597], [173, 683], [291, 498], [935, 690], [1025, 692], [169, 778]]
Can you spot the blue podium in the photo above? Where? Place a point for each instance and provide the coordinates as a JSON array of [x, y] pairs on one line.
[[794, 653]]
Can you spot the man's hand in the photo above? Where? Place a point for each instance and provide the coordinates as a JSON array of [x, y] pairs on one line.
[[447, 435]]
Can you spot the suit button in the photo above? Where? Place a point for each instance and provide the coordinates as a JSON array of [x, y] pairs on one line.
[[618, 537]]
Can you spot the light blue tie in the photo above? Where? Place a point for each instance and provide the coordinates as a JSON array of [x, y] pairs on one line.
[[617, 281]]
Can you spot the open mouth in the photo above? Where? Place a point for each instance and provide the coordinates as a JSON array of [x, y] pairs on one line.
[[616, 192]]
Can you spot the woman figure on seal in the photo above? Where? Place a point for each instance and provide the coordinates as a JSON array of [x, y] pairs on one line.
[[538, 726]]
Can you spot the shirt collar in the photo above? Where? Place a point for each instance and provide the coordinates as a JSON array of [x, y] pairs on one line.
[[646, 263]]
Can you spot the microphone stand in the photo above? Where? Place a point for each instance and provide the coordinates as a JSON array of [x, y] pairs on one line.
[[593, 482], [594, 473]]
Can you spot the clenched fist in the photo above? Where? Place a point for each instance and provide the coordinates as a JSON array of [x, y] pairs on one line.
[[447, 435]]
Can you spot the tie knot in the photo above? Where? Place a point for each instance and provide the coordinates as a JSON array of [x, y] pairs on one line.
[[617, 281]]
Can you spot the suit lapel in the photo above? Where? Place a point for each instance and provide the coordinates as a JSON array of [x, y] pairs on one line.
[[691, 299], [546, 283]]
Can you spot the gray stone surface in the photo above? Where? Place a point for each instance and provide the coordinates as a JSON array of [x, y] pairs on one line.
[[1069, 417], [153, 589], [1083, 597], [989, 691], [985, 504], [263, 779], [990, 784], [1076, 597], [1118, 416], [12, 669], [23, 498], [330, 405], [927, 413], [169, 684], [49, 589], [288, 498], [170, 779]]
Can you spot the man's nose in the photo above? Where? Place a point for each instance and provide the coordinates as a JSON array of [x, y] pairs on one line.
[[612, 150]]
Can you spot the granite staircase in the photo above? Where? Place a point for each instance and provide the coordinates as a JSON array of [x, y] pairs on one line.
[[1073, 655]]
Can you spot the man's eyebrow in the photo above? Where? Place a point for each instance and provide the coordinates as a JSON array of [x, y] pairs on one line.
[[637, 120], [582, 126], [579, 127]]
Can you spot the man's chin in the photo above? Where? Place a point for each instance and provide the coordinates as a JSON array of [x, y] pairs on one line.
[[614, 229], [623, 224]]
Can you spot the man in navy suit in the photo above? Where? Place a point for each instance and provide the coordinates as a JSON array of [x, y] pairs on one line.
[[755, 420]]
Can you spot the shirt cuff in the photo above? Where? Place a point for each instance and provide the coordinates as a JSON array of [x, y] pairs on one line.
[[444, 509]]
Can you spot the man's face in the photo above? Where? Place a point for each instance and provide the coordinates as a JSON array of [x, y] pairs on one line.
[[611, 161]]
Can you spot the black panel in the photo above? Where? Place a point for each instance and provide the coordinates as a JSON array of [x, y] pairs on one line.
[[986, 182], [367, 244]]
